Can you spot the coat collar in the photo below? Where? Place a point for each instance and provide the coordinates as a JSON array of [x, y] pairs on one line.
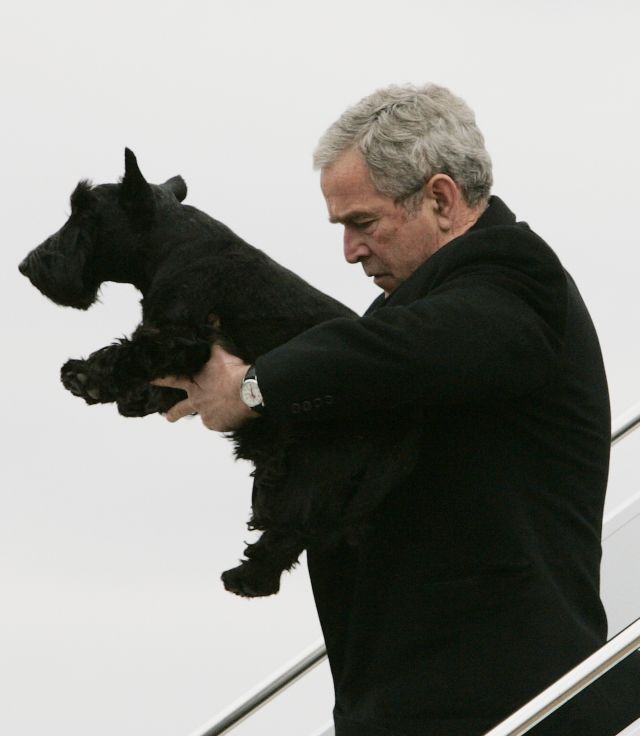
[[495, 215]]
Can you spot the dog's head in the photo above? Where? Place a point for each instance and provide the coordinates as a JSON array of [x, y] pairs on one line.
[[104, 239]]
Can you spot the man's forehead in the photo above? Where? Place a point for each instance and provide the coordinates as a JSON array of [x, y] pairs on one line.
[[349, 171], [348, 188]]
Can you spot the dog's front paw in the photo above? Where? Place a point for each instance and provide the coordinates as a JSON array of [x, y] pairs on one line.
[[143, 399], [251, 580], [74, 375], [79, 377]]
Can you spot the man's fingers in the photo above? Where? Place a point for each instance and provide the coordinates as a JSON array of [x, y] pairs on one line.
[[171, 382], [181, 409]]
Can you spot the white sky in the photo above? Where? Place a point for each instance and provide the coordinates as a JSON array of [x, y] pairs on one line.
[[113, 532]]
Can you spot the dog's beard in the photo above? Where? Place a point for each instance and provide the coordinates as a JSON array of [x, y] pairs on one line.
[[60, 278]]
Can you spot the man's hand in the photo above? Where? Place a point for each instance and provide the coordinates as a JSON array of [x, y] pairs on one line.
[[214, 393]]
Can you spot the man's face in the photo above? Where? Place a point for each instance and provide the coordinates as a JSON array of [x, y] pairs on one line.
[[388, 241]]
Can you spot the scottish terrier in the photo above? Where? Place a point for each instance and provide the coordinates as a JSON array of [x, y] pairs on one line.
[[314, 482]]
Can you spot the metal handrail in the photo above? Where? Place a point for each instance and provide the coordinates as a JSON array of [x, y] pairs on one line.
[[263, 693], [309, 658], [626, 423], [577, 679]]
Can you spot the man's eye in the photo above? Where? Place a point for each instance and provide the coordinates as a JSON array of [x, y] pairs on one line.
[[364, 224]]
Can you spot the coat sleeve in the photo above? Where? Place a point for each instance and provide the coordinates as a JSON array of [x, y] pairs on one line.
[[488, 332]]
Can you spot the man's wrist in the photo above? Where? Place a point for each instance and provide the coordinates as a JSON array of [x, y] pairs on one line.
[[250, 391]]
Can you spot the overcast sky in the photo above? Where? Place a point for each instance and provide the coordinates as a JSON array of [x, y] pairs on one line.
[[113, 532]]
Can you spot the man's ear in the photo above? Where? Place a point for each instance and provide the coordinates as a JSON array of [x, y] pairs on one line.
[[177, 186], [135, 193], [443, 195], [443, 192]]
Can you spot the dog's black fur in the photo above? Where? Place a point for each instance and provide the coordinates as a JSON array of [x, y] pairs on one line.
[[314, 482]]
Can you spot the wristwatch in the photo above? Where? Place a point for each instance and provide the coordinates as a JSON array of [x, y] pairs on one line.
[[250, 391]]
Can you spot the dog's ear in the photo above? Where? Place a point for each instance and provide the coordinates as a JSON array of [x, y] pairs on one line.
[[136, 194], [177, 186]]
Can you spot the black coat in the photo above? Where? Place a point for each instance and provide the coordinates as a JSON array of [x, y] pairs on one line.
[[478, 584]]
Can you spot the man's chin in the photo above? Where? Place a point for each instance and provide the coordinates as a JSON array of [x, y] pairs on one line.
[[384, 282]]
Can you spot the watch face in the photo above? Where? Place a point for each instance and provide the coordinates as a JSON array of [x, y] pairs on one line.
[[251, 393]]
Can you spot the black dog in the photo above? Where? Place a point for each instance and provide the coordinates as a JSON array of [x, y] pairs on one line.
[[314, 482]]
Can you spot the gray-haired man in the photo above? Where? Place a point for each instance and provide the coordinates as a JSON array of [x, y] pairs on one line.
[[478, 583]]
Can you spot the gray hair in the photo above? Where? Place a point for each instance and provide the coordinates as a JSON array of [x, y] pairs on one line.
[[406, 135]]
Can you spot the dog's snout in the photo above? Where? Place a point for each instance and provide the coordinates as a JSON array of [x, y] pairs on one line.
[[24, 266], [39, 258]]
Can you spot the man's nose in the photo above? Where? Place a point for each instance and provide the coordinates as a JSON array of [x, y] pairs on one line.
[[355, 249]]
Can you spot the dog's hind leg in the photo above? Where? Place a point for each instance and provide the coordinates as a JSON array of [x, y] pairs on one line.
[[267, 559]]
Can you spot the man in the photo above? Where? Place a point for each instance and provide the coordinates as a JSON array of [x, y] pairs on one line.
[[478, 584]]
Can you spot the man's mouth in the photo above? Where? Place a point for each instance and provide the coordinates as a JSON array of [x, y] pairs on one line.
[[375, 275]]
